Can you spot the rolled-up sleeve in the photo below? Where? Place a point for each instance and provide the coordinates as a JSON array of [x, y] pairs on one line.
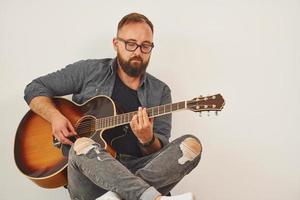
[[68, 80], [163, 124]]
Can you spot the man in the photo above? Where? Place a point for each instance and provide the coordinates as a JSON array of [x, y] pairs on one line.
[[147, 166]]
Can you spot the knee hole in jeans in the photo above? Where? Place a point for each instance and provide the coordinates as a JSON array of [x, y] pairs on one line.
[[190, 148]]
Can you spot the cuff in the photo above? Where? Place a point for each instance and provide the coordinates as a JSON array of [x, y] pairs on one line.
[[150, 193]]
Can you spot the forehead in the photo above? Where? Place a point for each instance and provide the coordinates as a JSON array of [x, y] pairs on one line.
[[137, 31]]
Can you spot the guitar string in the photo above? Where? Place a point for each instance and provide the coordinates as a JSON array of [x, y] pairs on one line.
[[121, 117], [114, 119], [89, 126]]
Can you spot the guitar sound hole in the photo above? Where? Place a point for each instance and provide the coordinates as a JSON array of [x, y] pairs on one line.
[[86, 126]]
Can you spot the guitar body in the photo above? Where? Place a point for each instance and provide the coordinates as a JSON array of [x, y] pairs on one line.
[[34, 152]]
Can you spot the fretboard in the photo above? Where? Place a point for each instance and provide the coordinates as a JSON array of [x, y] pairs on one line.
[[125, 118]]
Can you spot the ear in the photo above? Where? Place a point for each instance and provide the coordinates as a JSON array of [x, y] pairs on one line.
[[115, 42]]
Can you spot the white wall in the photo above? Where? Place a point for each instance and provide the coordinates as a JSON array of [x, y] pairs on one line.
[[247, 50]]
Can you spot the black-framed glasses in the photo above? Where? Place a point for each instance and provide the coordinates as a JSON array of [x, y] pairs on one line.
[[145, 47]]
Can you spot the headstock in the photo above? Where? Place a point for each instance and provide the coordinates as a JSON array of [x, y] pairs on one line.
[[208, 103]]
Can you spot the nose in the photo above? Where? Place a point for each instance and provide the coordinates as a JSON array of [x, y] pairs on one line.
[[138, 51]]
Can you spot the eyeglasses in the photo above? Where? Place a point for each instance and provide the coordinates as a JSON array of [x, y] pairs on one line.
[[131, 46]]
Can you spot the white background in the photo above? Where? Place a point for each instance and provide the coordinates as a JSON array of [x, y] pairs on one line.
[[247, 50]]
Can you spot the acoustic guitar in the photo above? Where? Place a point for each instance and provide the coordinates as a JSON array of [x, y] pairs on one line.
[[38, 154]]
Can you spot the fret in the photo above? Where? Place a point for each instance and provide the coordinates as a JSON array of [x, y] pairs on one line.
[[159, 110], [150, 112], [131, 116], [181, 105], [168, 108], [155, 110], [123, 118], [128, 117], [173, 106]]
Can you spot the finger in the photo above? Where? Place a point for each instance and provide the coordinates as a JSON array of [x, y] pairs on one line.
[[133, 122], [66, 132], [71, 129], [63, 139], [145, 117], [66, 141], [140, 117]]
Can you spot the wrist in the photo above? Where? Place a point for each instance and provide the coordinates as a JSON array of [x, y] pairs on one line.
[[148, 142], [54, 114]]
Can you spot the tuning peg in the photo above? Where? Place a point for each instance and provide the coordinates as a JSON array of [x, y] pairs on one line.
[[216, 113], [200, 114], [207, 113]]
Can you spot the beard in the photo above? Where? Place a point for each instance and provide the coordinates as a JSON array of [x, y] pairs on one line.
[[134, 67]]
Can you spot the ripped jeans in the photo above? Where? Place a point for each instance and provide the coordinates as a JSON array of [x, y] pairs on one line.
[[93, 172]]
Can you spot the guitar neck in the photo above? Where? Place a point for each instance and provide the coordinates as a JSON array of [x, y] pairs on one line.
[[121, 119]]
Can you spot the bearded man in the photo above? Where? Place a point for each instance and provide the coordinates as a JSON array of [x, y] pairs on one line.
[[147, 165]]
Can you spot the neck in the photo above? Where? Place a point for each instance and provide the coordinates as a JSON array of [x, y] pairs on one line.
[[131, 82]]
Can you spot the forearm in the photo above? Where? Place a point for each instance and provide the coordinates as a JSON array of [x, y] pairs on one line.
[[44, 107]]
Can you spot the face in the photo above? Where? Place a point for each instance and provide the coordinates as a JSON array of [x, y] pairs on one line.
[[133, 63]]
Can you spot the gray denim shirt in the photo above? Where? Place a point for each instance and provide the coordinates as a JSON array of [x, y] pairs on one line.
[[88, 78]]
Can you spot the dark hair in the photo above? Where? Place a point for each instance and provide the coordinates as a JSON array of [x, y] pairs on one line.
[[134, 18]]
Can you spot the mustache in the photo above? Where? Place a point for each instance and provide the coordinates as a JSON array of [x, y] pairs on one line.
[[136, 58]]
